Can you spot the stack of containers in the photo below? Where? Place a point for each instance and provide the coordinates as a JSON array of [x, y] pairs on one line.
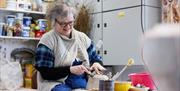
[[10, 22], [20, 23], [11, 4], [26, 26], [42, 24], [24, 5]]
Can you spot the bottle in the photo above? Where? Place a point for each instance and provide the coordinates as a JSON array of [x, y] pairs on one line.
[[4, 32], [1, 28]]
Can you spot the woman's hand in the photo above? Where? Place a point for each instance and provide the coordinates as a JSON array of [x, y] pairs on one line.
[[97, 67], [79, 69]]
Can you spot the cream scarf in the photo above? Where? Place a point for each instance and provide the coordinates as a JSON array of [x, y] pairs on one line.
[[65, 51]]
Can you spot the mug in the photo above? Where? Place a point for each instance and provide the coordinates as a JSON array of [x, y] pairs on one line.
[[122, 86], [106, 85]]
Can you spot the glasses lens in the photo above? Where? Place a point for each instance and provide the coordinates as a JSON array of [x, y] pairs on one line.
[[64, 24]]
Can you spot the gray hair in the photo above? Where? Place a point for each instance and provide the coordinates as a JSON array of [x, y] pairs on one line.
[[57, 9]]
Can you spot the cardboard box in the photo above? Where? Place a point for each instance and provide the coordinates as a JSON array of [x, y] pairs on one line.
[[3, 4]]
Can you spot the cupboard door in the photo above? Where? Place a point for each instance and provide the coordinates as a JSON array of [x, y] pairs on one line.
[[152, 17], [97, 6], [96, 32], [94, 5], [116, 4], [155, 3], [121, 36]]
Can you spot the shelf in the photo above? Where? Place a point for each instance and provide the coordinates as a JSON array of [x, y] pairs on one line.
[[23, 11], [22, 89], [22, 38]]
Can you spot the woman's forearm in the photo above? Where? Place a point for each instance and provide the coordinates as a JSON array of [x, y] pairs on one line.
[[54, 73]]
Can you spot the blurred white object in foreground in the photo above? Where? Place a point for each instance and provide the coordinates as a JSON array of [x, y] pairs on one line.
[[161, 54]]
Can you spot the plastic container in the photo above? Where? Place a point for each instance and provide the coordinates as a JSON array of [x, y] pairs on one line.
[[19, 16], [10, 20], [122, 86], [26, 21], [143, 79], [24, 6], [42, 23], [39, 34], [25, 32], [11, 5], [28, 82]]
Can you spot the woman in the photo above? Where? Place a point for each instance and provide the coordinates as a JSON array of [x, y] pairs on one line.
[[64, 55]]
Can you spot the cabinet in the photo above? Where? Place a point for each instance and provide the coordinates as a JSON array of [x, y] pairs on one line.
[[96, 33], [118, 4], [122, 4], [95, 5], [121, 26], [121, 36]]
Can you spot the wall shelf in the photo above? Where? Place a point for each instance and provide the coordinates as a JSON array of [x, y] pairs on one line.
[[23, 11], [23, 89], [21, 38]]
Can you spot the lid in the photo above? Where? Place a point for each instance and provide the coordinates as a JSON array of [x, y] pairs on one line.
[[10, 16], [27, 28], [2, 23], [27, 17], [41, 20]]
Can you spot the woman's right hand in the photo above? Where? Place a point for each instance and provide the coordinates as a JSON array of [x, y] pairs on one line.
[[79, 69]]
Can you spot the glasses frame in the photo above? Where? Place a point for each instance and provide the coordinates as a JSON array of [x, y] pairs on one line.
[[64, 24]]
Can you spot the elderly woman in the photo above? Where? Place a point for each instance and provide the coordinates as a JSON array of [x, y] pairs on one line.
[[64, 55]]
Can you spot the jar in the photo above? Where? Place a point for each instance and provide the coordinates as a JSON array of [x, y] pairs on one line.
[[27, 21], [25, 32], [42, 23], [10, 20]]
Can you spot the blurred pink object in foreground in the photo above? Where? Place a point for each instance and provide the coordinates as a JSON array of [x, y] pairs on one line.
[[143, 78]]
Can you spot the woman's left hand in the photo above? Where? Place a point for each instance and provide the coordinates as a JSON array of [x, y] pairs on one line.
[[97, 67]]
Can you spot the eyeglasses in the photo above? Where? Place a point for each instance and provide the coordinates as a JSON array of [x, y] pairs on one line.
[[64, 24]]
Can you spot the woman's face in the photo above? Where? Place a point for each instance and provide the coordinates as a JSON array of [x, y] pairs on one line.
[[64, 26]]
